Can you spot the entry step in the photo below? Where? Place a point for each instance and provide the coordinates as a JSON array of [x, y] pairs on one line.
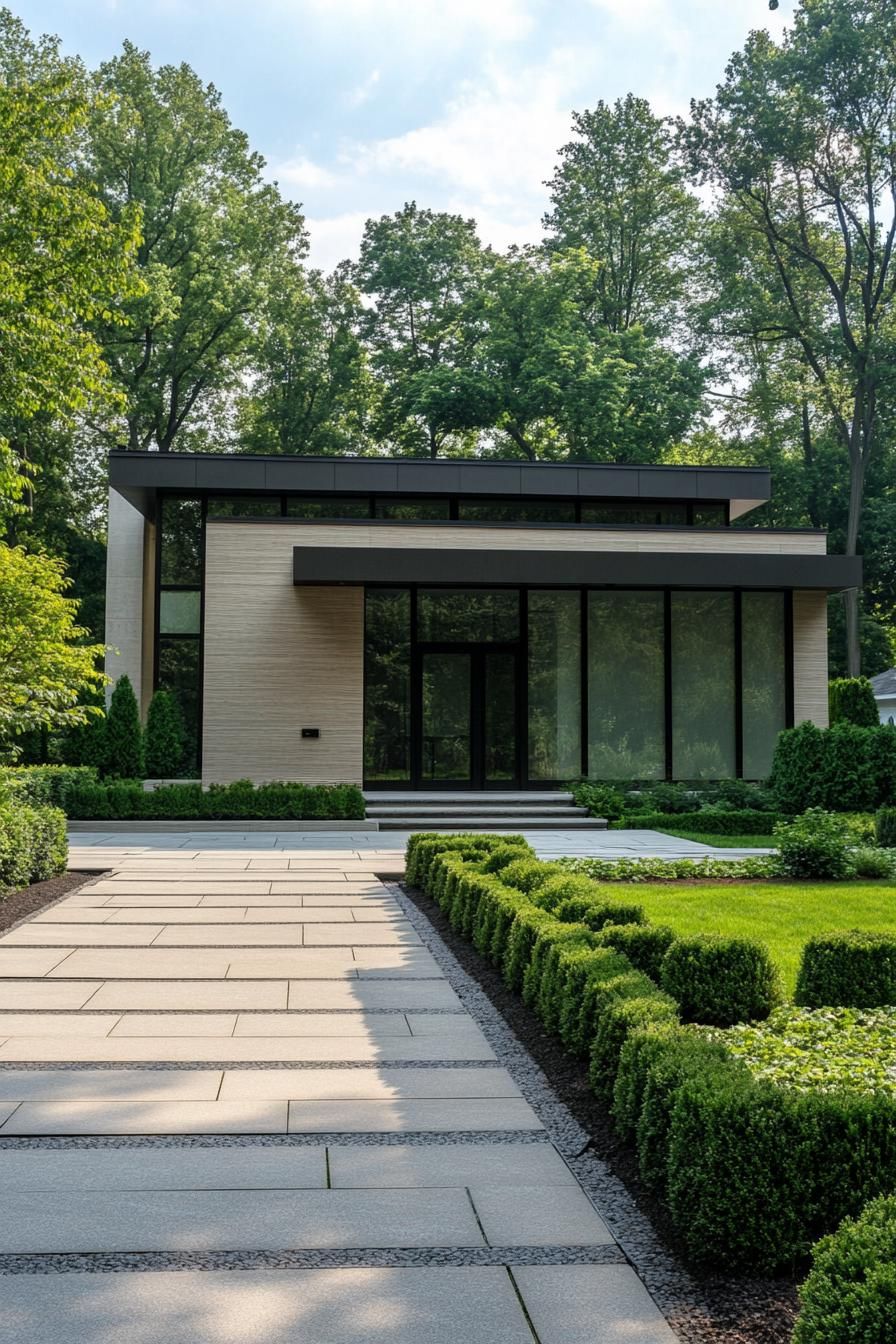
[[485, 822]]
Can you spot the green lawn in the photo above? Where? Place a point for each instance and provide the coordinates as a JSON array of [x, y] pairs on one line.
[[781, 915], [724, 841]]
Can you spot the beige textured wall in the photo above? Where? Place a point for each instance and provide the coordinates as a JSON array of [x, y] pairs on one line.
[[730, 541], [124, 594], [278, 659], [810, 658], [150, 535]]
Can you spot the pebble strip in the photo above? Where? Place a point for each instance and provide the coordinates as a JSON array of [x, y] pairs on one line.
[[387, 1139], [65, 1066]]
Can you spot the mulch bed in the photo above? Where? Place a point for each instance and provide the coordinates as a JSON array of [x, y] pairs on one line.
[[733, 1311], [19, 904]]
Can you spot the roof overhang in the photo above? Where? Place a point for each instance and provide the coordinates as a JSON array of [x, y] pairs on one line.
[[355, 565]]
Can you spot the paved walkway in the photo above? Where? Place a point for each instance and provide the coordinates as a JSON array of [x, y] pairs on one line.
[[241, 1100]]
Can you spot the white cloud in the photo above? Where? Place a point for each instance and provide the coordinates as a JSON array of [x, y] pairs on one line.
[[335, 237], [362, 92], [429, 22], [302, 174], [688, 18]]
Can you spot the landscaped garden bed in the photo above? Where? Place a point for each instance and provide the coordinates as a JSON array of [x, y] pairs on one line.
[[748, 1163]]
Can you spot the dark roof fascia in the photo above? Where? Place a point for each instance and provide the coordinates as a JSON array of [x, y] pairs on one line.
[[316, 566], [140, 476]]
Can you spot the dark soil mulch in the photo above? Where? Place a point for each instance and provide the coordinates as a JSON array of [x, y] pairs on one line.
[[18, 904], [732, 1311]]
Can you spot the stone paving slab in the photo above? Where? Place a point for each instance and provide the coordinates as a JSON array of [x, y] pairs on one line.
[[128, 995], [530, 1215], [84, 935], [252, 1168], [455, 1164], [227, 1220], [147, 1117], [584, 1304], [76, 914], [380, 1084], [359, 934], [232, 935], [171, 1049], [104, 1085], [372, 1025], [146, 964], [236, 917], [57, 1024], [308, 1306], [166, 1024], [421, 995], [28, 961], [47, 994], [397, 1116]]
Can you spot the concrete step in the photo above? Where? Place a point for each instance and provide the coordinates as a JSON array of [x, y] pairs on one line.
[[550, 798], [502, 822], [474, 810]]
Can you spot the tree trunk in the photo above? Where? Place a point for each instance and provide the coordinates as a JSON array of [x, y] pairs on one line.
[[857, 460]]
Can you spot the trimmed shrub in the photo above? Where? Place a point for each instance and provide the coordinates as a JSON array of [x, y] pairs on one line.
[[710, 822], [33, 844], [645, 945], [503, 855], [545, 972], [164, 740], [813, 845], [124, 736], [595, 913], [849, 1296], [719, 981], [848, 970], [851, 700], [527, 874], [797, 777], [885, 827], [528, 923], [844, 769], [46, 785], [882, 741], [128, 800], [849, 779], [627, 1013], [565, 886]]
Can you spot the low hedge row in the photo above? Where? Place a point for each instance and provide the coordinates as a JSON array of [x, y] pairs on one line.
[[33, 844], [710, 822], [752, 1173], [849, 1296], [47, 785], [242, 800], [848, 970]]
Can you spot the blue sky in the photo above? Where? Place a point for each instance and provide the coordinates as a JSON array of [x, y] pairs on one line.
[[360, 105]]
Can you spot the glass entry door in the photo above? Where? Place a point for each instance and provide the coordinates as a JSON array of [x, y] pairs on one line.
[[467, 711]]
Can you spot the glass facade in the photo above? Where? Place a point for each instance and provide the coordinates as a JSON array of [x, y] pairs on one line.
[[626, 685], [554, 684], [704, 734], [468, 615], [764, 664], [387, 672], [178, 650]]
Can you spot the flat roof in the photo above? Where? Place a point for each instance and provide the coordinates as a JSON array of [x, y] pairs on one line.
[[140, 476]]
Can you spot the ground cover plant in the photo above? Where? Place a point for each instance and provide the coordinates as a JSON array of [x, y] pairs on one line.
[[822, 1049]]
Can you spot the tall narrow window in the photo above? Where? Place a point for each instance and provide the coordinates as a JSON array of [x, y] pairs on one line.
[[180, 605], [387, 662], [764, 663], [703, 686], [626, 695], [554, 676]]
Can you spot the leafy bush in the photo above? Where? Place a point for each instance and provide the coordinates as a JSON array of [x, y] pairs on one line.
[[820, 1049], [719, 981], [813, 845], [667, 870], [710, 821], [164, 741], [849, 1296], [885, 827], [601, 800], [851, 700], [127, 801], [872, 863], [843, 769], [33, 844], [46, 785], [797, 777], [856, 970], [124, 736]]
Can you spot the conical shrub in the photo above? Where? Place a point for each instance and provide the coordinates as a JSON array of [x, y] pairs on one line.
[[164, 739], [124, 735]]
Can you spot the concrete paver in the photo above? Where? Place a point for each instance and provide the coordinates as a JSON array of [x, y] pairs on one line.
[[122, 1169], [579, 1304], [464, 1164], [530, 1215]]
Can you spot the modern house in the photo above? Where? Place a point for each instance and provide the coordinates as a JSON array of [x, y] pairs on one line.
[[884, 687], [465, 624]]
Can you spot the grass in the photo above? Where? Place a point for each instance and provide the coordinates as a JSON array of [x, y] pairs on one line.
[[780, 914], [724, 841]]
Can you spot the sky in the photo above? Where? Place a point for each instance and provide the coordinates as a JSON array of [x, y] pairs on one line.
[[461, 105]]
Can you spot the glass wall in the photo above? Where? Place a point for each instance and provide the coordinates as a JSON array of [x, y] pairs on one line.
[[704, 737], [472, 615], [626, 685], [554, 684], [180, 606], [764, 670], [387, 664]]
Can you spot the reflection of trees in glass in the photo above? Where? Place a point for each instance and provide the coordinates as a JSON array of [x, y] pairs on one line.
[[181, 541], [478, 615], [554, 685], [764, 673], [243, 506], [446, 716], [387, 712], [179, 674], [703, 736], [626, 708]]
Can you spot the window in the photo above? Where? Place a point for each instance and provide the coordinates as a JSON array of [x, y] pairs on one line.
[[703, 686], [179, 674], [710, 515], [387, 663], [764, 670], [554, 674], [180, 606], [472, 615], [180, 540], [179, 611], [407, 509], [636, 515], [332, 507], [243, 506], [516, 511], [626, 685]]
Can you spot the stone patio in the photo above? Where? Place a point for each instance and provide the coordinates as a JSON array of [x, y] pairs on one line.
[[242, 1100]]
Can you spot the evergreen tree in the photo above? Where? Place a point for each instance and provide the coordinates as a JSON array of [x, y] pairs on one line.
[[164, 742], [124, 736]]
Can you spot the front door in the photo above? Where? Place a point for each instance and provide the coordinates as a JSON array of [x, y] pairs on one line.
[[467, 707]]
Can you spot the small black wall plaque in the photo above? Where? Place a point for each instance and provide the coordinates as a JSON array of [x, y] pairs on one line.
[[311, 732]]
